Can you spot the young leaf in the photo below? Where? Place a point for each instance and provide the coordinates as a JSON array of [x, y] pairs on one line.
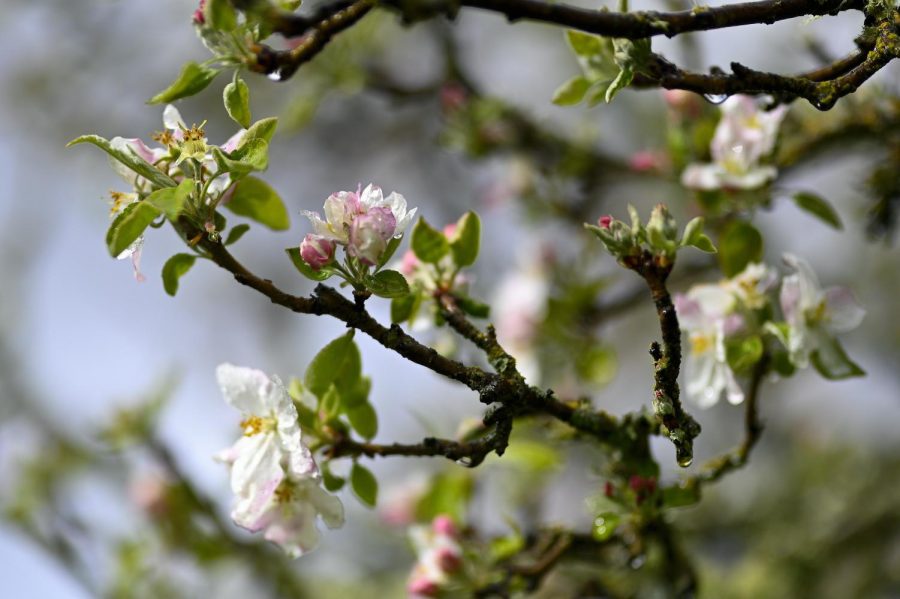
[[389, 251], [262, 129], [220, 15], [364, 484], [170, 200], [571, 92], [402, 307], [193, 79], [743, 354], [129, 159], [304, 268], [473, 307], [468, 237], [175, 268], [818, 207], [237, 101], [388, 283], [331, 482], [236, 233], [128, 226], [428, 244], [833, 363], [364, 420], [584, 44], [739, 245], [328, 364], [254, 199]]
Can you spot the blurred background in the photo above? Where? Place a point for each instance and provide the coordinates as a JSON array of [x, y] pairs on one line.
[[83, 345]]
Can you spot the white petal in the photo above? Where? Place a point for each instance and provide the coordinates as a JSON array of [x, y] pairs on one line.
[[257, 467], [842, 312], [706, 177], [810, 292], [328, 506], [734, 393], [172, 118], [753, 178], [715, 302], [371, 197], [244, 388]]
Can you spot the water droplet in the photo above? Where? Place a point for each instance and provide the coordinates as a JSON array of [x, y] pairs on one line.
[[466, 461], [715, 98], [275, 75], [685, 460]]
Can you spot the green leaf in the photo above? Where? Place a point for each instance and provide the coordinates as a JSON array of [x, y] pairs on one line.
[[695, 237], [473, 307], [305, 269], [743, 353], [605, 525], [739, 245], [254, 199], [254, 154], [262, 129], [622, 80], [170, 200], [818, 207], [467, 238], [402, 307], [237, 232], [832, 361], [572, 91], [220, 15], [129, 159], [128, 226], [237, 101], [332, 483], [389, 251], [193, 79], [597, 365], [364, 420], [355, 391], [330, 402], [328, 364], [428, 244], [364, 484], [584, 44], [175, 268], [681, 495], [388, 283]]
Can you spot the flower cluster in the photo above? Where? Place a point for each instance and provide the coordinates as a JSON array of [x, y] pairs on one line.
[[362, 222], [273, 473], [440, 557], [726, 323], [744, 136]]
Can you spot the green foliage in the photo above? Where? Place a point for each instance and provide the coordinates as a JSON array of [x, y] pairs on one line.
[[604, 526], [364, 420], [170, 200], [388, 283], [329, 365], [428, 244], [404, 307], [237, 101], [608, 66], [448, 493], [818, 207], [175, 268], [192, 79], [263, 129], [740, 244], [236, 233], [129, 159], [255, 199], [220, 15], [128, 226], [305, 269], [832, 361], [466, 239], [331, 482], [742, 353], [694, 236], [364, 484]]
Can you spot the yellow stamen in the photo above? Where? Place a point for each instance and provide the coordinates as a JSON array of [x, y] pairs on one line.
[[700, 344], [255, 425]]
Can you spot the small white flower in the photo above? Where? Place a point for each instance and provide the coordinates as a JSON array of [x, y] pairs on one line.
[[752, 285], [706, 314], [371, 197], [814, 315], [744, 136], [439, 557]]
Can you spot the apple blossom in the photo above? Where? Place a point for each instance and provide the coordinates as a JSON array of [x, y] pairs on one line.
[[439, 557], [317, 251], [370, 233], [814, 315], [744, 136], [707, 314]]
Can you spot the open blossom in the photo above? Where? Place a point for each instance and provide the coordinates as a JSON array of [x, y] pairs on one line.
[[707, 314], [744, 136], [814, 315], [273, 473], [439, 557], [363, 222]]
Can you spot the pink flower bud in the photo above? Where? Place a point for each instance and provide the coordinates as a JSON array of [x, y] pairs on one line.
[[453, 97], [450, 230], [644, 161], [422, 586], [605, 221], [448, 559], [443, 525], [317, 251], [370, 232], [199, 17], [409, 264], [684, 102], [608, 489]]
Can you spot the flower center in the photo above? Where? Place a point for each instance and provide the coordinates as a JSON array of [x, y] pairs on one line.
[[255, 425], [816, 315], [285, 492], [164, 138], [119, 201], [700, 343]]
